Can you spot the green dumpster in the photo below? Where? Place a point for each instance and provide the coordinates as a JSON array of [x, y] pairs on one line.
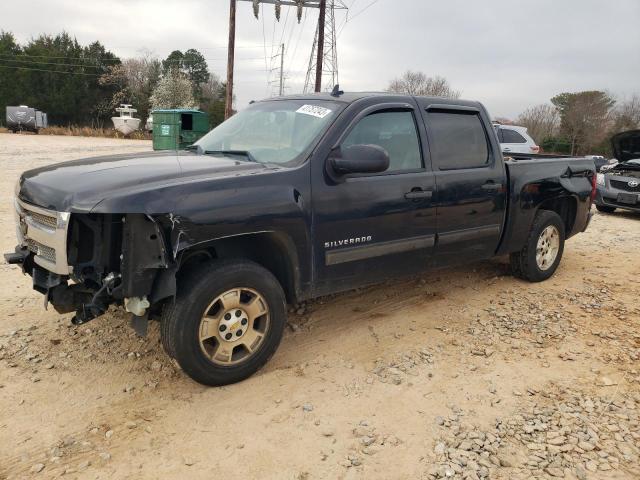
[[176, 129]]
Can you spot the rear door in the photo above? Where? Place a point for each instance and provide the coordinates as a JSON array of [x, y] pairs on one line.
[[512, 141], [371, 227], [471, 183]]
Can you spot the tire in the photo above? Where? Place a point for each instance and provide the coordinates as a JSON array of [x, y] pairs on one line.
[[605, 209], [217, 360], [524, 264]]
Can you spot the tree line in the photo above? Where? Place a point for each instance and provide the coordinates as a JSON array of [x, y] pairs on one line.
[[82, 85], [574, 123], [581, 123]]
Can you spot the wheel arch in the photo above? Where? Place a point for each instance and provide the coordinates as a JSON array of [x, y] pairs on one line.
[[566, 207], [272, 250]]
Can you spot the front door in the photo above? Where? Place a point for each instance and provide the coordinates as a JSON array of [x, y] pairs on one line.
[[371, 227]]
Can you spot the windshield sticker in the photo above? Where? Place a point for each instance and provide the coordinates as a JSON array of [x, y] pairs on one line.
[[314, 111]]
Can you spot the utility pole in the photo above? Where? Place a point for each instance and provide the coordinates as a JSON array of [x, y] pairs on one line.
[[228, 108], [327, 39], [282, 71], [321, 19], [279, 72], [300, 5]]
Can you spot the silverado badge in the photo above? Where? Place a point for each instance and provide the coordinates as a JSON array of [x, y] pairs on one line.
[[347, 241]]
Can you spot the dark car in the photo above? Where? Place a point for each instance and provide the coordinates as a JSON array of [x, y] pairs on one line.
[[290, 199], [619, 186]]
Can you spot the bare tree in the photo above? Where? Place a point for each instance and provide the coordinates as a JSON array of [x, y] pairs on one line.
[[626, 116], [213, 99], [542, 121], [418, 83], [142, 75]]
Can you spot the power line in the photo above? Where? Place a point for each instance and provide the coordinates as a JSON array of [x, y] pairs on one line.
[[284, 27], [273, 39], [363, 10], [264, 44], [293, 28], [93, 74], [115, 60], [346, 17], [295, 49], [347, 20], [36, 63], [65, 57], [52, 71], [224, 47]]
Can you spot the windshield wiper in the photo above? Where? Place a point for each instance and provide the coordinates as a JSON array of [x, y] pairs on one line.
[[241, 153]]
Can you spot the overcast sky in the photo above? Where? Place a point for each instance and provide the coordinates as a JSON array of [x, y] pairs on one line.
[[509, 54]]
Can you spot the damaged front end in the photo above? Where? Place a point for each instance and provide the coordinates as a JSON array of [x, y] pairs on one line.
[[84, 263]]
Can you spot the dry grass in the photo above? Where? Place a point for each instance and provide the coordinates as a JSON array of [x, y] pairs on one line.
[[74, 131], [93, 132]]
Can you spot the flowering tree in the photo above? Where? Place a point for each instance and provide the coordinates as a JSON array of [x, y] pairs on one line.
[[174, 90]]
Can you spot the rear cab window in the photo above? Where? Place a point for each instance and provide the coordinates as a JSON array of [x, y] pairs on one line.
[[458, 140]]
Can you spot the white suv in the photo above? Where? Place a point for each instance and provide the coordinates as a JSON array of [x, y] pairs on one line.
[[515, 139]]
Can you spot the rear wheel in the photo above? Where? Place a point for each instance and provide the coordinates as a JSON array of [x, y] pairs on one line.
[[226, 322], [605, 209], [541, 254]]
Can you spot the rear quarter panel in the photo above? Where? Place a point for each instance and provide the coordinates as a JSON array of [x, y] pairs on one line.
[[532, 183]]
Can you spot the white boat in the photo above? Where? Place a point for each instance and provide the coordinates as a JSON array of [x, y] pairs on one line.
[[126, 123], [149, 125]]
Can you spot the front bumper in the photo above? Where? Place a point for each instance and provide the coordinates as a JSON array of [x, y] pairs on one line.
[[44, 233], [608, 197]]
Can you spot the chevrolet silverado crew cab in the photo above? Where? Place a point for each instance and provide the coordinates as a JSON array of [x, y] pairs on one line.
[[292, 198]]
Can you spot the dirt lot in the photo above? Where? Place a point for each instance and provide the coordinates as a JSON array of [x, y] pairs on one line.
[[466, 373]]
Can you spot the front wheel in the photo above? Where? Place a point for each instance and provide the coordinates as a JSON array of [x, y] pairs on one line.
[[541, 254], [226, 322]]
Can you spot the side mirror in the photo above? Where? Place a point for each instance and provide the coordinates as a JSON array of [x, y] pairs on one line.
[[360, 159]]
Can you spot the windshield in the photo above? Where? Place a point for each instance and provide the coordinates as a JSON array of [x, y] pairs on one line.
[[272, 132]]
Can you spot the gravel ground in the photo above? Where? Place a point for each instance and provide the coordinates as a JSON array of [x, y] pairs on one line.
[[465, 373]]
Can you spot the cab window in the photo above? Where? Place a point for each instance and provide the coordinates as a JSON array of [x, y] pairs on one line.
[[458, 140], [393, 130]]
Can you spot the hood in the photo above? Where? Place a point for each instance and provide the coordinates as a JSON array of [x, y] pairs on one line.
[[80, 185], [626, 145]]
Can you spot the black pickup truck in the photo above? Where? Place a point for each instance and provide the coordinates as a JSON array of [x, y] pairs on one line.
[[290, 199]]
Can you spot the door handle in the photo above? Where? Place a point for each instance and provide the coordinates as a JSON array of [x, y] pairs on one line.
[[506, 149], [492, 186], [417, 193]]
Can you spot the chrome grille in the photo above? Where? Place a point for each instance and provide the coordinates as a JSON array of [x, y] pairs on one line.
[[47, 221], [44, 232], [41, 250], [624, 185]]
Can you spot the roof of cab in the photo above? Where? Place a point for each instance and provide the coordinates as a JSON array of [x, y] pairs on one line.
[[350, 97]]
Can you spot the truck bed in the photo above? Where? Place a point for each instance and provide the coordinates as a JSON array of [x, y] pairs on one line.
[[533, 182]]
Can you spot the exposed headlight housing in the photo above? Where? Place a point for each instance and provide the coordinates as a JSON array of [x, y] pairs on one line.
[[600, 179]]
